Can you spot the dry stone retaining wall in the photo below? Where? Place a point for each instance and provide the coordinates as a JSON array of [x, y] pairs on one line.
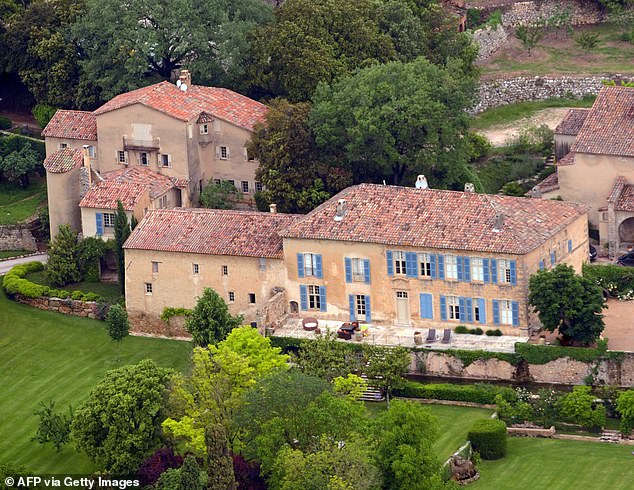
[[489, 40], [532, 11], [86, 309], [17, 237]]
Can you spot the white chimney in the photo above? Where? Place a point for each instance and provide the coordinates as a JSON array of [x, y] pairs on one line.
[[86, 161], [185, 78], [273, 208], [342, 206], [421, 182], [469, 187], [499, 223]]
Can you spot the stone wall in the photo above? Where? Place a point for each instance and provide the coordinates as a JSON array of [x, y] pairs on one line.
[[154, 326], [529, 12], [86, 309], [489, 41], [272, 311], [531, 432], [17, 237]]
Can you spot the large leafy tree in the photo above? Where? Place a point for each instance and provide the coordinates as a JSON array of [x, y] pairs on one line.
[[210, 320], [569, 303], [292, 175], [118, 426], [327, 358], [386, 368], [19, 165], [393, 121], [126, 45]]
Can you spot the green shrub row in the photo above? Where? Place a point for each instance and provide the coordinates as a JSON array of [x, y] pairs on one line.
[[472, 331], [14, 282], [494, 333], [169, 312], [542, 354], [615, 279], [293, 344], [475, 393], [488, 437]]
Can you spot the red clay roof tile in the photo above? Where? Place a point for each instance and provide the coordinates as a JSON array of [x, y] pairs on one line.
[[571, 124], [79, 125], [64, 160]]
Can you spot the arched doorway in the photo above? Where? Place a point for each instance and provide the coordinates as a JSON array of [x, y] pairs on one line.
[[626, 231], [294, 307]]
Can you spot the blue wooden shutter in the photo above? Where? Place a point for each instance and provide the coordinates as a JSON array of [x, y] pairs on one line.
[[569, 246], [99, 223], [319, 274], [348, 269], [466, 273], [552, 258], [482, 310], [432, 264], [443, 308], [496, 312], [469, 308], [459, 267], [513, 272], [368, 310], [322, 298], [542, 266], [426, 308], [494, 271], [411, 264], [351, 304], [485, 271], [515, 308], [462, 309], [303, 297], [390, 263], [366, 271], [300, 265], [441, 266]]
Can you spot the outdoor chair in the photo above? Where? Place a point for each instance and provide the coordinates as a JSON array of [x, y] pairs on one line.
[[431, 336], [446, 337]]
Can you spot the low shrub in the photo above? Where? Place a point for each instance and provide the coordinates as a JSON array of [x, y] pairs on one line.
[[475, 393], [5, 123], [587, 40], [488, 437], [77, 295], [169, 312], [494, 333], [461, 329]]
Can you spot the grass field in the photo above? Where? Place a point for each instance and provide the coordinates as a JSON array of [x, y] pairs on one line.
[[46, 356], [17, 204], [559, 465], [7, 254], [109, 291]]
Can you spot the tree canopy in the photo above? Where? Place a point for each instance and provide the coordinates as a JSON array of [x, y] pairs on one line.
[[210, 320], [61, 267], [18, 165]]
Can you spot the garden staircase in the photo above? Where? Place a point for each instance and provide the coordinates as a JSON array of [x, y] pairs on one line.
[[611, 436], [371, 393]]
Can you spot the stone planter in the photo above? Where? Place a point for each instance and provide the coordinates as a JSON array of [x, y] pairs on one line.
[[418, 338]]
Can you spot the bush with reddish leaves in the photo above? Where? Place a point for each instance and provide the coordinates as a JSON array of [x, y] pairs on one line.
[[152, 468], [247, 474]]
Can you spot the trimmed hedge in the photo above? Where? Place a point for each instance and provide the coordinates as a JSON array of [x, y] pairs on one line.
[[475, 393], [542, 354], [472, 331], [488, 437], [294, 344]]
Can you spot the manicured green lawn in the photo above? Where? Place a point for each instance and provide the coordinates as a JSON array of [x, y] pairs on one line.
[[17, 204], [46, 356], [559, 465], [6, 254], [107, 290]]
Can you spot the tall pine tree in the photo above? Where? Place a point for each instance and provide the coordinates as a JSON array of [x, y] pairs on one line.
[[121, 233]]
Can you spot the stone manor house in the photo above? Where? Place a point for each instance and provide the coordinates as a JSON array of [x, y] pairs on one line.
[[377, 254], [152, 148]]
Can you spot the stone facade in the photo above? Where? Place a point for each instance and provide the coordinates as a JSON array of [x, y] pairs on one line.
[[17, 237], [489, 41], [86, 309]]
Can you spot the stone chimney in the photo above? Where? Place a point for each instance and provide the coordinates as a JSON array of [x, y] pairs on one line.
[[273, 208], [499, 223], [342, 207], [469, 187], [536, 192], [421, 182], [185, 78]]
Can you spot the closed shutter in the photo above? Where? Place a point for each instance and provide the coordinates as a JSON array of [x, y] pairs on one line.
[[441, 267], [390, 263], [513, 272], [459, 267], [99, 223], [466, 273], [411, 260], [485, 271], [462, 313], [552, 258], [368, 310], [494, 271], [432, 264], [482, 310], [322, 298], [569, 246], [426, 308], [366, 271], [542, 266], [496, 312], [469, 310], [515, 308], [300, 265], [348, 267], [303, 297], [319, 274], [352, 306], [443, 308]]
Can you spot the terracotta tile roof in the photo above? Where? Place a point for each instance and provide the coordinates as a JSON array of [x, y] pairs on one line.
[[64, 160], [549, 184], [572, 123], [620, 184], [405, 216], [77, 125], [128, 185], [567, 159], [626, 199], [212, 232], [609, 127], [169, 99]]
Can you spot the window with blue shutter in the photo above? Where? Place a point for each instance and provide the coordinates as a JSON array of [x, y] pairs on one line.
[[368, 311], [303, 297], [432, 264], [462, 313], [459, 267], [390, 263], [552, 258], [348, 269], [494, 271], [318, 268], [513, 269], [426, 308], [366, 271], [351, 304], [469, 310], [496, 312], [466, 272], [300, 265], [322, 298], [411, 264], [443, 308], [569, 246], [486, 271], [99, 223], [515, 308], [542, 266], [482, 312], [441, 266]]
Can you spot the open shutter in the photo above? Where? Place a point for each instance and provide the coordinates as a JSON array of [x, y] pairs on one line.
[[217, 152], [116, 157], [390, 263], [432, 263], [441, 266], [127, 158], [443, 308], [348, 269], [569, 246], [366, 271], [496, 312], [515, 308], [462, 313], [513, 272], [319, 274], [485, 271], [245, 154], [300, 265], [482, 310], [99, 223], [494, 271], [368, 310], [411, 264], [228, 153], [469, 310], [303, 297], [169, 160], [426, 309], [459, 267], [322, 298], [466, 272], [542, 266], [351, 305]]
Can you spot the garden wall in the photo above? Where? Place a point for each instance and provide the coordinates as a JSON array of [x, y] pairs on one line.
[[153, 325], [489, 41], [17, 237], [86, 309], [514, 12]]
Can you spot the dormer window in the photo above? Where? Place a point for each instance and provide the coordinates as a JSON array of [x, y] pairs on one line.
[[204, 129]]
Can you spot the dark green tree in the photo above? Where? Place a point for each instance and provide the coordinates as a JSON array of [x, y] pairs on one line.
[[210, 321], [121, 234], [219, 195], [19, 165], [117, 323], [386, 368], [327, 358], [53, 427], [220, 474], [580, 407], [569, 303], [119, 425], [394, 121], [190, 475], [61, 267]]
